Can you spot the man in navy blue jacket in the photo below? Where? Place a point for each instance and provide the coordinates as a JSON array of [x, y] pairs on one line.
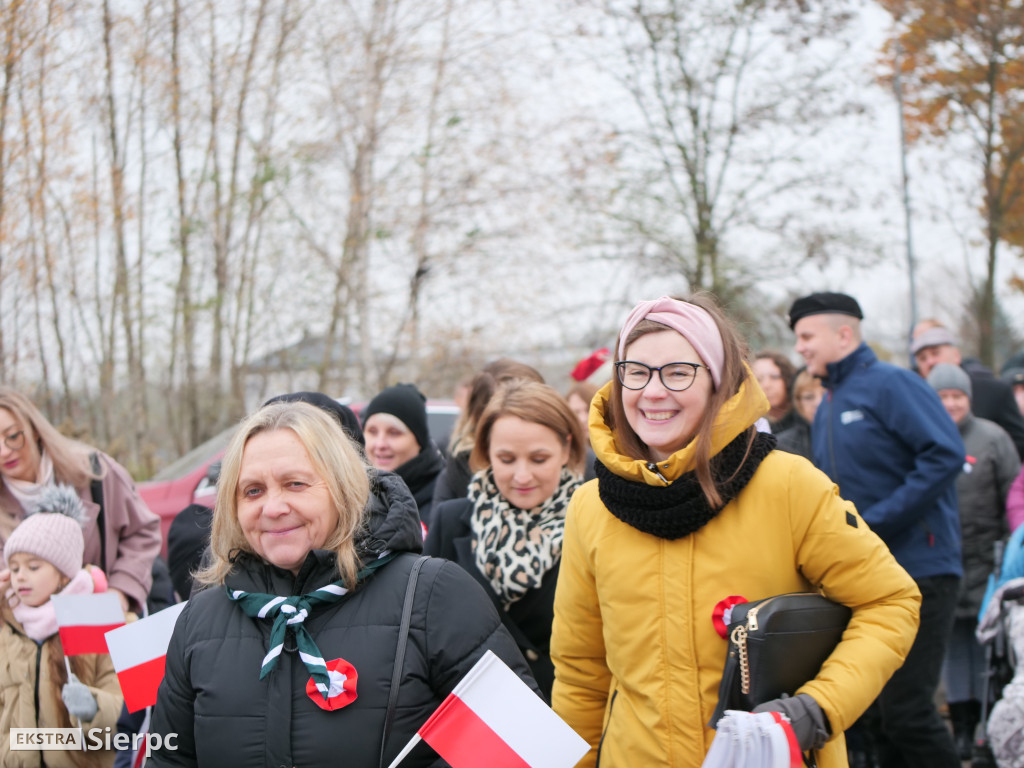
[[881, 436]]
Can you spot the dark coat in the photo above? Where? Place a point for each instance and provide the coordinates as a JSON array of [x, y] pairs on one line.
[[992, 399], [453, 482], [982, 488], [796, 439], [212, 697], [527, 619], [420, 474]]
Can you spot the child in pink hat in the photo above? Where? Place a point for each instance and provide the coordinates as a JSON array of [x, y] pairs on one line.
[[44, 555]]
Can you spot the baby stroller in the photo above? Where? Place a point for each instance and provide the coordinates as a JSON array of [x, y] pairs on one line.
[[999, 739]]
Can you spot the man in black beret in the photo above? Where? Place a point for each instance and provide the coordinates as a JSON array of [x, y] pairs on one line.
[[883, 436]]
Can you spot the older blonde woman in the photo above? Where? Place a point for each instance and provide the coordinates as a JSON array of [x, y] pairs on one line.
[[287, 658]]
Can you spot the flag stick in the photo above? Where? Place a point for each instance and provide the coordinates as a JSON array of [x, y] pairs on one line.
[[406, 750], [67, 666]]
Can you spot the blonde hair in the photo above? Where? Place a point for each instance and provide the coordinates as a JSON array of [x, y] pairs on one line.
[[71, 464], [536, 403], [335, 460]]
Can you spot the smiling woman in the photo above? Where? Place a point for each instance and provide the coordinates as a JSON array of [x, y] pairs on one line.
[[288, 657], [122, 536], [693, 511], [528, 452]]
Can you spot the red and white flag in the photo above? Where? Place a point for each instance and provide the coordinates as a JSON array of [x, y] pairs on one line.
[[492, 718], [82, 620], [139, 653]]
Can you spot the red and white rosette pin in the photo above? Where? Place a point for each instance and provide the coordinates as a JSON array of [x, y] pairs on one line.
[[722, 614], [342, 691]]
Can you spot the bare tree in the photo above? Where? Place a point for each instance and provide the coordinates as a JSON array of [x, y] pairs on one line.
[[728, 98]]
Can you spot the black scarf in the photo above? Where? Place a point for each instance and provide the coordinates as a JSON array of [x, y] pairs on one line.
[[420, 471], [677, 510]]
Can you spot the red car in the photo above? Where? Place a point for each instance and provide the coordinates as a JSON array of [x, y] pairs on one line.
[[192, 479]]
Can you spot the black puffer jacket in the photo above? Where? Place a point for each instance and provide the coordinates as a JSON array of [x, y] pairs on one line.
[[224, 715]]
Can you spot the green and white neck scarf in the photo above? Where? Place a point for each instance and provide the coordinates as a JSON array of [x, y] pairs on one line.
[[288, 615]]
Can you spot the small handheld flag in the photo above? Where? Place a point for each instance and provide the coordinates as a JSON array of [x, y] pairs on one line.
[[82, 620], [493, 718], [139, 653]]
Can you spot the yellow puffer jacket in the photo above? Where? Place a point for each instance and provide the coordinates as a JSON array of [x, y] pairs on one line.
[[637, 658], [20, 658]]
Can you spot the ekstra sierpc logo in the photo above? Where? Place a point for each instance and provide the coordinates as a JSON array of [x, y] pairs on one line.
[[95, 739]]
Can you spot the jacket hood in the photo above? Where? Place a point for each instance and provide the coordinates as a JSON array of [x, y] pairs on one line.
[[738, 414], [392, 518]]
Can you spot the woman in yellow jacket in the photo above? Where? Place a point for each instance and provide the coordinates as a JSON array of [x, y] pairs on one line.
[[691, 510]]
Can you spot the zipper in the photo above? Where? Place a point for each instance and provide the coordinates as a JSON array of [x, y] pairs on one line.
[[600, 744], [39, 658], [653, 467], [831, 445]]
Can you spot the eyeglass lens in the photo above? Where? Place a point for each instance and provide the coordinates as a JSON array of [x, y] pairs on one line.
[[675, 376]]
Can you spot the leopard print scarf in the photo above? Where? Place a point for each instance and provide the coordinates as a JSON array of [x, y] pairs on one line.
[[515, 547]]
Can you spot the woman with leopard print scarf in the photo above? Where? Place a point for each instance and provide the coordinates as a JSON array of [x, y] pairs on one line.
[[528, 459]]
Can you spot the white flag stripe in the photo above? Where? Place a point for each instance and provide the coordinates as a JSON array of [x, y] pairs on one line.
[[142, 640], [88, 610], [521, 718]]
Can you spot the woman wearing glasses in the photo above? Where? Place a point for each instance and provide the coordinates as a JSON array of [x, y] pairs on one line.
[[35, 456], [692, 511]]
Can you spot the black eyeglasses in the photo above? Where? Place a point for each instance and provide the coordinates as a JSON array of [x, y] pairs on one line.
[[678, 377], [16, 440]]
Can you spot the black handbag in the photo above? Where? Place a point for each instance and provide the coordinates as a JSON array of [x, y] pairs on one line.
[[776, 645]]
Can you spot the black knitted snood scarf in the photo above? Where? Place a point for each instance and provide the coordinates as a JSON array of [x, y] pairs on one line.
[[679, 509]]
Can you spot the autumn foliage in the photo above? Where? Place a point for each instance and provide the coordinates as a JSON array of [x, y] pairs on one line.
[[960, 67]]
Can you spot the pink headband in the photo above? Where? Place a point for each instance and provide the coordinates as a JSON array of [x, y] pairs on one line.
[[693, 323]]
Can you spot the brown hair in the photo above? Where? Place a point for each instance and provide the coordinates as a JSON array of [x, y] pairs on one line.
[[786, 368], [803, 381], [334, 458], [733, 374], [482, 388], [584, 390], [538, 404], [70, 457]]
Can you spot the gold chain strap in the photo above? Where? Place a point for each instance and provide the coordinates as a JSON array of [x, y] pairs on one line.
[[739, 639]]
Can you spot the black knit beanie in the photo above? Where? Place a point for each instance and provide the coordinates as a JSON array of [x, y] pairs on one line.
[[407, 404]]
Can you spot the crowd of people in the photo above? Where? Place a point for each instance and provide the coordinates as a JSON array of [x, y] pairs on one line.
[[592, 534]]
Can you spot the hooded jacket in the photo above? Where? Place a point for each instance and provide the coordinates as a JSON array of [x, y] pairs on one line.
[[30, 698], [638, 659], [884, 438], [212, 697]]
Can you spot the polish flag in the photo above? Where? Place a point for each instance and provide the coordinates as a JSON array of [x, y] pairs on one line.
[[492, 718], [139, 652], [82, 620]]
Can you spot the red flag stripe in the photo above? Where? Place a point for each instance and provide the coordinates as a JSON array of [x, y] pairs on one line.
[[139, 684], [85, 639], [796, 757], [464, 740]]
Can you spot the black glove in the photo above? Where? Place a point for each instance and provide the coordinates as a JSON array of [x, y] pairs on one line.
[[806, 717]]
